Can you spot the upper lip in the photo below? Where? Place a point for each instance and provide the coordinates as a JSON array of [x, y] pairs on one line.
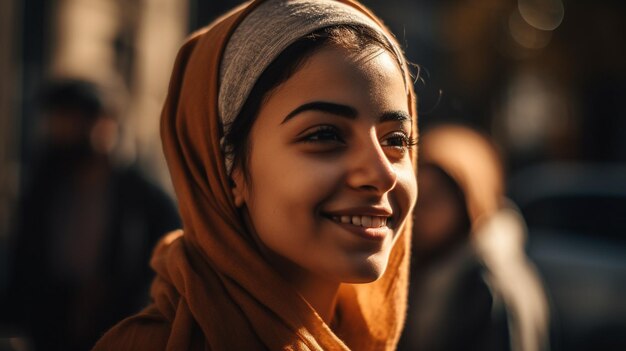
[[361, 211]]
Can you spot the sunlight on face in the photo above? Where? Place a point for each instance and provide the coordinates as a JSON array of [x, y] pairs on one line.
[[331, 178]]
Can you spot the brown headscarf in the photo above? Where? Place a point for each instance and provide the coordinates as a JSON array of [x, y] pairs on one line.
[[214, 290]]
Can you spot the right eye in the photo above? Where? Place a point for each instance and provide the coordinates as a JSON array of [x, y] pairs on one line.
[[322, 134]]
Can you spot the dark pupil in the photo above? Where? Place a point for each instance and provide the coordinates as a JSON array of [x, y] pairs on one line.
[[325, 135], [397, 141]]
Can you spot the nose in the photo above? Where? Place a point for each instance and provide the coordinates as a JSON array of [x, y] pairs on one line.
[[371, 169]]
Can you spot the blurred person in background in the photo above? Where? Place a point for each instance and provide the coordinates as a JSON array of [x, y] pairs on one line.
[[472, 286], [86, 225]]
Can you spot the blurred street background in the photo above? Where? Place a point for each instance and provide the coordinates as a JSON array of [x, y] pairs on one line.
[[546, 79]]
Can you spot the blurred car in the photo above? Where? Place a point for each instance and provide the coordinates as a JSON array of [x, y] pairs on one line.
[[576, 218]]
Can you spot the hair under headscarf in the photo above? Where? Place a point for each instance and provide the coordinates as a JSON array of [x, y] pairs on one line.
[[213, 289]]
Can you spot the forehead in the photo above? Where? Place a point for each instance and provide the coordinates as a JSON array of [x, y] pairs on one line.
[[371, 79]]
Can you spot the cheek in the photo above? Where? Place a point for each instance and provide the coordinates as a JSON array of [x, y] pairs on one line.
[[279, 177], [286, 190]]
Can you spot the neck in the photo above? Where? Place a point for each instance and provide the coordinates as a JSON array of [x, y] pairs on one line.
[[320, 293]]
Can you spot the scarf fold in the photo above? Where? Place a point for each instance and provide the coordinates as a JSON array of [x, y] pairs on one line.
[[213, 289]]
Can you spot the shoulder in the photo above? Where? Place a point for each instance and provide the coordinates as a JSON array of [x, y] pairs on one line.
[[147, 331]]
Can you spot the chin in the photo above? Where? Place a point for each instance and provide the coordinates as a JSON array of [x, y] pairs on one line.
[[366, 272]]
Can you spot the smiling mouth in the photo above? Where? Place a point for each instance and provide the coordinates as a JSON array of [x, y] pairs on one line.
[[362, 221]]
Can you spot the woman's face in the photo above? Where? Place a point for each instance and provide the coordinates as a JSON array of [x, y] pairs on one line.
[[330, 180]]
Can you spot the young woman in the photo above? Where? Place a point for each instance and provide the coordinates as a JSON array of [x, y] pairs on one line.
[[289, 130]]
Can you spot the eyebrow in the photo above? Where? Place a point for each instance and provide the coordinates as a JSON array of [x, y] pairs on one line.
[[323, 106], [395, 116], [344, 111]]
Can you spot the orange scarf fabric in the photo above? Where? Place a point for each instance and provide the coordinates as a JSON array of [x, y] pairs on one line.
[[214, 290]]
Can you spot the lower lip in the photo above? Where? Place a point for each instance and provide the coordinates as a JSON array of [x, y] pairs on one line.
[[374, 234]]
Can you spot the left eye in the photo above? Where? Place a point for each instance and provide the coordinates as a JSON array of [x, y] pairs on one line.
[[397, 140]]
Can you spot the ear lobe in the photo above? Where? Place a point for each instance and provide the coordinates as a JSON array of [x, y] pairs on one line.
[[238, 187]]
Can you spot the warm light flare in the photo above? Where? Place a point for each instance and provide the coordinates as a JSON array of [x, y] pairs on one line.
[[542, 14]]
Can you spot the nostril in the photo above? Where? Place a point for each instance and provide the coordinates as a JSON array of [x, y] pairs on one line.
[[368, 187]]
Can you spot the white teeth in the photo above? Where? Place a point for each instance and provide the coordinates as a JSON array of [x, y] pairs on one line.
[[362, 221], [377, 222], [366, 221]]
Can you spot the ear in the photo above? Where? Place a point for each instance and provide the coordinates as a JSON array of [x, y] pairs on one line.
[[238, 186]]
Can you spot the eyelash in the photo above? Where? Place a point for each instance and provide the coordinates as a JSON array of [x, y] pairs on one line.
[[329, 133], [315, 136], [406, 141]]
